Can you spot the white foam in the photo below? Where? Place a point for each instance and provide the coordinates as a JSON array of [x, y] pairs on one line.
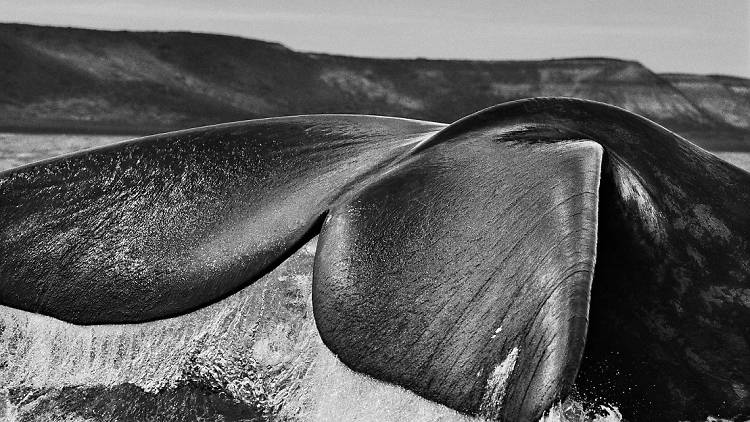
[[494, 392]]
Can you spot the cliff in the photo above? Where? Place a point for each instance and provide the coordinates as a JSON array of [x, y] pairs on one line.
[[67, 79]]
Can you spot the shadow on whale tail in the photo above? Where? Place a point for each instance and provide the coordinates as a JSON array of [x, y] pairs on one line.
[[486, 265]]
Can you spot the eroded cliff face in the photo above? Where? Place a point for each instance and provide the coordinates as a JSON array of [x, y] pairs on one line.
[[725, 99], [101, 81]]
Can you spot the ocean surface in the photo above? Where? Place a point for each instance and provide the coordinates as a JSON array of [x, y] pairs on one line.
[[254, 356]]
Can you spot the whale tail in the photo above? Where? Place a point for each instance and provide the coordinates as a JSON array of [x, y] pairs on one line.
[[486, 265]]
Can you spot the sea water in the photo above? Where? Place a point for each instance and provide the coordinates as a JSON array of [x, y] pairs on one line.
[[253, 356]]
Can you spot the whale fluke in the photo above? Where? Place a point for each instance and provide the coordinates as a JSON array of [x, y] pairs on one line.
[[488, 265]]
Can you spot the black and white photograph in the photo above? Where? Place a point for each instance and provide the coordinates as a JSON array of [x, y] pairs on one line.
[[374, 211]]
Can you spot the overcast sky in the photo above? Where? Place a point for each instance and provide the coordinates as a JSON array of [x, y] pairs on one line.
[[697, 36]]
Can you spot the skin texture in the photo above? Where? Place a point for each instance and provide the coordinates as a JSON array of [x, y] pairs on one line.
[[160, 226], [464, 274], [486, 265]]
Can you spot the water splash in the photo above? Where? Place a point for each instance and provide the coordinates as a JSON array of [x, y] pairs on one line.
[[256, 353], [254, 356], [575, 411]]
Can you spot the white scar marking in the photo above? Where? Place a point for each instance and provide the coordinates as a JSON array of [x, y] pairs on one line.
[[494, 393], [497, 331]]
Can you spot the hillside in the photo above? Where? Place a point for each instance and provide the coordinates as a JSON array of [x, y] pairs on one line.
[[724, 98], [66, 79]]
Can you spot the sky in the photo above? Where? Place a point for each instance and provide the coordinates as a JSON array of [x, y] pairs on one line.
[[693, 36]]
